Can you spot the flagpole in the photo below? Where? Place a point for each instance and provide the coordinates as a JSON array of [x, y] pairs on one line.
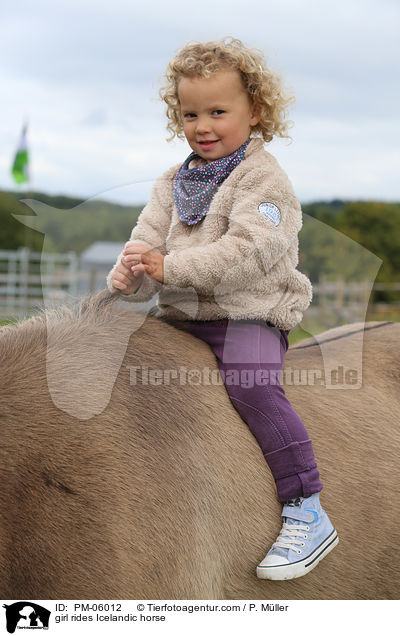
[[28, 233], [28, 193], [21, 174]]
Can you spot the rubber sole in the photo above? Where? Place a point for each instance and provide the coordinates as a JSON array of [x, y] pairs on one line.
[[300, 568]]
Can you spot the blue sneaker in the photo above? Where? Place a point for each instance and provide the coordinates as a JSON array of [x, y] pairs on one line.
[[306, 537]]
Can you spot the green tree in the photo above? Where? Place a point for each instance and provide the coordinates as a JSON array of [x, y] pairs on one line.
[[376, 226], [13, 234]]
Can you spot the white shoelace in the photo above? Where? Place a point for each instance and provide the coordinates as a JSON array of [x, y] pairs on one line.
[[287, 537]]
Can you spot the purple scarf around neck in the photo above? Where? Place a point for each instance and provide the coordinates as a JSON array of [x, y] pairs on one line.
[[194, 188]]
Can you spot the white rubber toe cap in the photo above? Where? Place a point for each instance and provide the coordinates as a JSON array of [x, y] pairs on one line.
[[273, 559]]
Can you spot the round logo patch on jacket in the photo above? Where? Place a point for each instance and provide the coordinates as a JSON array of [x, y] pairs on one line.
[[271, 212]]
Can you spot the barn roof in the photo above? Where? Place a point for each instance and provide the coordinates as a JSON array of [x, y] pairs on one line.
[[102, 253]]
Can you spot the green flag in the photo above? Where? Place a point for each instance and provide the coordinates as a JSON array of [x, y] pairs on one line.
[[20, 166]]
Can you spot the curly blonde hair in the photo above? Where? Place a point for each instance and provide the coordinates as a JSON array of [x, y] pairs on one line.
[[263, 87]]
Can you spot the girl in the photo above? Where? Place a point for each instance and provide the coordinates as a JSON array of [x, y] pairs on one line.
[[219, 242]]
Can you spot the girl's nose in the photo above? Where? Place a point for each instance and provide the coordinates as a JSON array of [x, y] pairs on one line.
[[202, 125]]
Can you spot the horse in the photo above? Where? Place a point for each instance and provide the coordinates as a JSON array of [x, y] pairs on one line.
[[161, 491]]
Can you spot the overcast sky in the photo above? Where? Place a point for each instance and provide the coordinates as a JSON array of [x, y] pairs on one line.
[[86, 74]]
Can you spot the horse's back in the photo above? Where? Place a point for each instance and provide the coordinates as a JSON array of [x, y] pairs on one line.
[[166, 494]]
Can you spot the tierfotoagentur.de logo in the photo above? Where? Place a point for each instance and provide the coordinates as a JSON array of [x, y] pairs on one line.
[[26, 615]]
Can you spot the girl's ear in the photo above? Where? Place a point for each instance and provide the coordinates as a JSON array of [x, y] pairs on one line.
[[255, 114]]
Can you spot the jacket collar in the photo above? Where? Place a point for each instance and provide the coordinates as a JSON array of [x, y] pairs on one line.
[[256, 144]]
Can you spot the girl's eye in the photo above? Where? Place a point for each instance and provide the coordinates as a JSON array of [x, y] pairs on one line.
[[219, 112], [189, 115]]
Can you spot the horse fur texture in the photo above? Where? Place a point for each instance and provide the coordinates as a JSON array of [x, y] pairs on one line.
[[165, 494]]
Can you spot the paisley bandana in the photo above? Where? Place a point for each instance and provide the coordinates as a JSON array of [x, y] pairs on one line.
[[194, 188]]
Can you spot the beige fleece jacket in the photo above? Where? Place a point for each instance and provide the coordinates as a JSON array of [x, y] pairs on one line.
[[240, 260]]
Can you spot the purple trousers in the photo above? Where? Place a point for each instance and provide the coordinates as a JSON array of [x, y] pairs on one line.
[[250, 355]]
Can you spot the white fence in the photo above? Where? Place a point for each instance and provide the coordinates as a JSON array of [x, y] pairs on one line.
[[338, 302], [25, 276]]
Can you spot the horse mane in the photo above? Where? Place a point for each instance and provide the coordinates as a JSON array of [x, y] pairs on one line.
[[98, 315]]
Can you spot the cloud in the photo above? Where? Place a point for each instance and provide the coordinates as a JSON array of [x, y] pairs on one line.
[[86, 74], [97, 117]]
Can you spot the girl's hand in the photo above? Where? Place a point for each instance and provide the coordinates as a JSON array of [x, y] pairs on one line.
[[139, 258], [124, 280]]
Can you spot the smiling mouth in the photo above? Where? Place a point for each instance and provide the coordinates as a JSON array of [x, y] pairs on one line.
[[205, 144]]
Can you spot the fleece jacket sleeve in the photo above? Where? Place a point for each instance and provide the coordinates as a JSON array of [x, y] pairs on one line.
[[264, 221], [151, 229]]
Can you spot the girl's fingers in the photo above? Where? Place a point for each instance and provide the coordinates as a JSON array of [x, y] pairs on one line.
[[137, 272], [130, 243], [119, 284], [122, 279], [131, 259], [122, 268], [133, 247]]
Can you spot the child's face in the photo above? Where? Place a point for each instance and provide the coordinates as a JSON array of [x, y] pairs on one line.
[[217, 113]]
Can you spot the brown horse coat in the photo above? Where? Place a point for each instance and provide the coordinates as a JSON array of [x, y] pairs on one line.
[[165, 493]]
